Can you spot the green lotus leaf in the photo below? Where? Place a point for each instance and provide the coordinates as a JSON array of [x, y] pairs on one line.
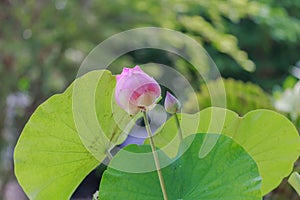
[[270, 138], [227, 172], [99, 121], [67, 137]]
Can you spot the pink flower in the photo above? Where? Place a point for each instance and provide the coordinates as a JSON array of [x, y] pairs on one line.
[[172, 105], [135, 90]]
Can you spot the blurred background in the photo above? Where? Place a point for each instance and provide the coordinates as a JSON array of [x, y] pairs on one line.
[[254, 43]]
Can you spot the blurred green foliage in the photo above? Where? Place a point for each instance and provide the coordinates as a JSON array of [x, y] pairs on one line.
[[42, 43], [240, 97]]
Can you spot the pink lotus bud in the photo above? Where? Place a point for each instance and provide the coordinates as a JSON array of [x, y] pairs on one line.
[[135, 90], [172, 105]]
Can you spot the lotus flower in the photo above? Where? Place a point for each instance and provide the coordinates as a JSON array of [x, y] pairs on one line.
[[135, 90], [172, 105]]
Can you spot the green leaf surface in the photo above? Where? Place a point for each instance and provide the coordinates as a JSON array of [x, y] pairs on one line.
[[50, 159], [98, 119], [226, 173], [294, 180], [53, 153], [270, 138]]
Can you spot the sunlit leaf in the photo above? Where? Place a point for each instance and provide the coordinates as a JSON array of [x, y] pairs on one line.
[[62, 141], [270, 138], [50, 159], [227, 172], [98, 119]]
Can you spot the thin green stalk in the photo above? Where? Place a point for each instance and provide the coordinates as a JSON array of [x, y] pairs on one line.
[[155, 156], [178, 127], [180, 150]]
